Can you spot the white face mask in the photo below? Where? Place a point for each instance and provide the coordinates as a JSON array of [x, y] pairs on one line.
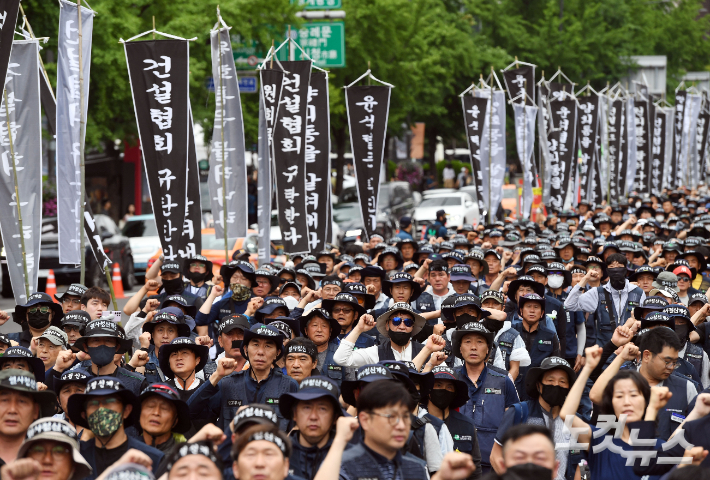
[[291, 302], [555, 281], [660, 218], [638, 203]]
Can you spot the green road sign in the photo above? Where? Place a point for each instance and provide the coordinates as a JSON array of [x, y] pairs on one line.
[[324, 42], [247, 53], [319, 4]]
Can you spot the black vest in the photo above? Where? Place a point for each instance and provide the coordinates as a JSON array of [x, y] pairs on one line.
[[358, 463], [462, 431], [505, 344]]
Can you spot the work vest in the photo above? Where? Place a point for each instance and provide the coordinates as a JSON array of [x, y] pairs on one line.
[[425, 303], [234, 394], [205, 289], [463, 431], [305, 461], [358, 463], [676, 409], [437, 423], [416, 443], [605, 327], [571, 333], [505, 344], [331, 369], [692, 366], [384, 351], [540, 349], [486, 416]]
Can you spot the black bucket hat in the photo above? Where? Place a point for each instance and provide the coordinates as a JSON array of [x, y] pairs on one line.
[[472, 300], [78, 375], [160, 317], [650, 305], [513, 287], [23, 353], [184, 423], [290, 271], [179, 343], [76, 289], [469, 329], [289, 327], [254, 414], [290, 283], [77, 318], [643, 270], [698, 297], [314, 269], [360, 289], [24, 382], [310, 282], [201, 259], [246, 268], [367, 374], [531, 297], [172, 266], [99, 387], [447, 307], [560, 267], [658, 319], [425, 380], [400, 372], [476, 254], [311, 388], [190, 310], [344, 297], [679, 311], [105, 329], [373, 271], [265, 332], [402, 277], [703, 264], [19, 316], [270, 304], [394, 251], [442, 372], [461, 272], [551, 363], [325, 315]]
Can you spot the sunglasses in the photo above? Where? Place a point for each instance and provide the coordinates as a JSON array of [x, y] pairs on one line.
[[43, 309], [396, 321]]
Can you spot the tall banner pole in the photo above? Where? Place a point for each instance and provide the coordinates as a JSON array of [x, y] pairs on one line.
[[490, 155], [17, 196], [82, 130], [224, 170]]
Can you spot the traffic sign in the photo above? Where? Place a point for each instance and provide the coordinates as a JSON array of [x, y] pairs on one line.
[[247, 54], [324, 42], [319, 4], [247, 84]]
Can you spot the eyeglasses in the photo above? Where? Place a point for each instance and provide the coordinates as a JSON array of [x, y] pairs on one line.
[[683, 279], [105, 402], [672, 364], [56, 451], [42, 309], [200, 265], [343, 310], [394, 419], [396, 321], [71, 301]]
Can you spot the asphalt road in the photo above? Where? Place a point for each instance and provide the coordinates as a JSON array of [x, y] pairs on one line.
[[8, 304]]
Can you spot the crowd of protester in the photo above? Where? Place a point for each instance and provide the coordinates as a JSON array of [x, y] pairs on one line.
[[573, 350]]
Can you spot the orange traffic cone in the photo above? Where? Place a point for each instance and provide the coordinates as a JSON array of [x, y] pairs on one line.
[[51, 288], [117, 282]]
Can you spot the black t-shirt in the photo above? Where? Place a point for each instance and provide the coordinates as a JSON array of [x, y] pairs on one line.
[[701, 331], [105, 457]]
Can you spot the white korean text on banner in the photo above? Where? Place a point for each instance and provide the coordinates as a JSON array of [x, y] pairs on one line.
[[702, 143], [69, 187], [228, 111], [588, 140], [630, 163], [368, 110], [524, 117], [543, 130], [643, 146], [474, 116], [689, 149], [191, 239], [23, 107], [493, 154], [269, 98], [521, 79], [158, 72], [678, 120], [289, 141], [318, 162], [658, 149], [564, 120], [616, 143]]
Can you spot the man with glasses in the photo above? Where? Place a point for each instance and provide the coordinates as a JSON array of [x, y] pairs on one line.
[[34, 317], [397, 326], [198, 271], [74, 323], [71, 298], [346, 310], [106, 408]]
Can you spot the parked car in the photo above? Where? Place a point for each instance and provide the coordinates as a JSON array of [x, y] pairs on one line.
[[459, 207], [396, 200], [143, 236], [116, 245]]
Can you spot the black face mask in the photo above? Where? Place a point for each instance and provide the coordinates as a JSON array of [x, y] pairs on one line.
[[554, 395], [196, 277], [174, 286], [236, 344], [682, 331], [417, 397], [101, 355], [492, 324], [38, 320], [399, 338], [617, 277], [527, 471], [441, 398], [465, 318]]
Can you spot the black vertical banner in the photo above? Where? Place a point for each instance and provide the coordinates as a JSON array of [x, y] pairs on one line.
[[678, 116], [318, 162], [587, 136], [564, 119], [658, 149], [623, 150], [519, 79], [289, 141], [615, 153], [702, 139], [8, 19], [158, 72], [559, 91], [643, 144], [557, 193], [191, 241], [474, 117], [368, 109]]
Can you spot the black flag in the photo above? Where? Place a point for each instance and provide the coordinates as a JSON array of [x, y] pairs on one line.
[[678, 118], [8, 19], [587, 136], [368, 109], [643, 146], [289, 142], [564, 120], [191, 241], [519, 79], [658, 149], [474, 117], [158, 71], [702, 139], [318, 162], [616, 142]]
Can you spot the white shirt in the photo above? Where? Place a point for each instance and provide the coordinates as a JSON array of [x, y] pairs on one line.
[[438, 299], [519, 352], [347, 356], [445, 440]]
